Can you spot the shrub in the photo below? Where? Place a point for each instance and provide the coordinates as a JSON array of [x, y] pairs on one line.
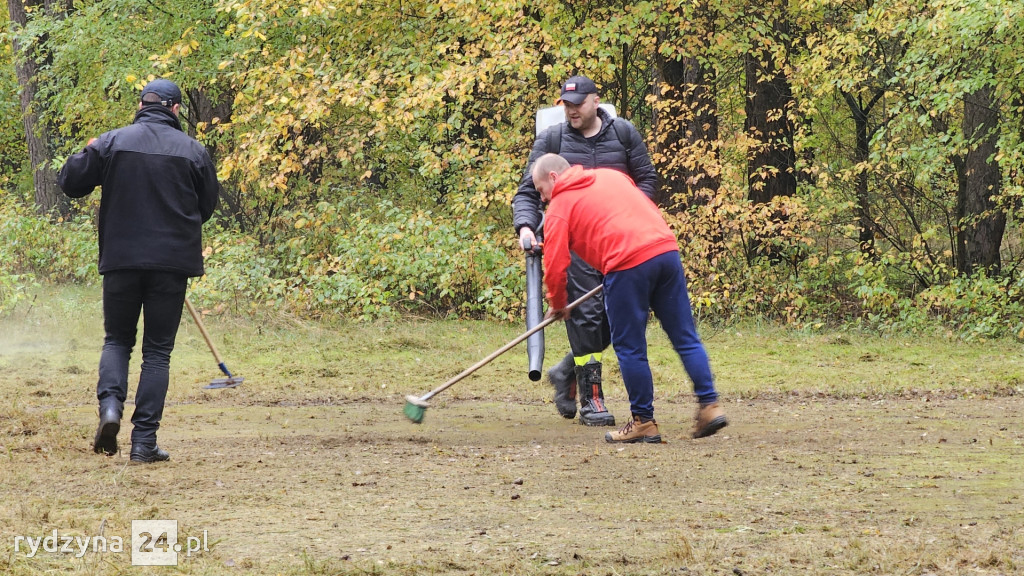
[[34, 246], [377, 262], [366, 259]]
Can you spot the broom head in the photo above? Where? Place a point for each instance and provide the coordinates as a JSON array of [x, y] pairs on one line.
[[415, 409]]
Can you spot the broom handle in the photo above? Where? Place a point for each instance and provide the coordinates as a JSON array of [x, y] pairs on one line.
[[508, 346], [202, 330]]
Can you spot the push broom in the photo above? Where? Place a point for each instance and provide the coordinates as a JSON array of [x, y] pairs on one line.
[[231, 381], [416, 407]]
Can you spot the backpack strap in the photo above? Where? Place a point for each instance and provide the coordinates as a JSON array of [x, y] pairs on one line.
[[555, 138], [624, 135]]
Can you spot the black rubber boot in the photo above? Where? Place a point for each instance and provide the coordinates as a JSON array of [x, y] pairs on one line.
[[563, 378], [592, 409], [105, 441]]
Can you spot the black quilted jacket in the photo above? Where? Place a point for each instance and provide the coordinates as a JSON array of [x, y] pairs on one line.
[[604, 150]]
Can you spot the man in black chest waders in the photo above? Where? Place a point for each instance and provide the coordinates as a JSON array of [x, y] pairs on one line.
[[593, 138]]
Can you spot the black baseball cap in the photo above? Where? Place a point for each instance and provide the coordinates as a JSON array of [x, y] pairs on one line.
[[168, 92], [576, 88]]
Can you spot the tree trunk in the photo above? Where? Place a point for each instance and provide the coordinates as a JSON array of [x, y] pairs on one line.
[[771, 160], [982, 222], [865, 222], [202, 108], [686, 152], [49, 198], [689, 127]]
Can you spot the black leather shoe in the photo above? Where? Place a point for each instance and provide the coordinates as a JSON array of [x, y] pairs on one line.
[[148, 453], [106, 434]]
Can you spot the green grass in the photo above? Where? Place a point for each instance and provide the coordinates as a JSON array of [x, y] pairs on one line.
[[56, 339]]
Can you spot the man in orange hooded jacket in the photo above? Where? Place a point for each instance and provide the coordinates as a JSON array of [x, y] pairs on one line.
[[603, 217]]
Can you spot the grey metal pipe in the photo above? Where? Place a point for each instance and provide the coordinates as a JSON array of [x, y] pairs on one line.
[[534, 314]]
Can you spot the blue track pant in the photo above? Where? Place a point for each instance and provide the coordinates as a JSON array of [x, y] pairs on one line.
[[658, 284]]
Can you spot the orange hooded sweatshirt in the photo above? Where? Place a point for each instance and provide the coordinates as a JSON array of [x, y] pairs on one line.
[[605, 219]]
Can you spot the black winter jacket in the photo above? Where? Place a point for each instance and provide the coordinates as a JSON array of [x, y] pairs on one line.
[[159, 186], [603, 150]]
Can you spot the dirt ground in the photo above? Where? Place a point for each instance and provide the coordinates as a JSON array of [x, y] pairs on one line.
[[924, 485], [845, 454]]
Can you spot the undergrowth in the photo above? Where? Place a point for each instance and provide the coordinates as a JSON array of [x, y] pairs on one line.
[[359, 262]]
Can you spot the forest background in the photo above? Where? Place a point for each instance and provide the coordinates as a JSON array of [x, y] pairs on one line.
[[824, 163]]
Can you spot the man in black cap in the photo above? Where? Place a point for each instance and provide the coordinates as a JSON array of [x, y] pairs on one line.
[[159, 187], [592, 138]]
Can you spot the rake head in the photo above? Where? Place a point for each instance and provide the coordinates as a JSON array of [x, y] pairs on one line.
[[224, 383]]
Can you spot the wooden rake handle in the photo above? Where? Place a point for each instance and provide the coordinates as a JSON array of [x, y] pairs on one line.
[[507, 347], [202, 330]]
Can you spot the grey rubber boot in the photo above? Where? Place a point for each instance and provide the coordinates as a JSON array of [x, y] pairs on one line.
[[592, 409], [563, 378]]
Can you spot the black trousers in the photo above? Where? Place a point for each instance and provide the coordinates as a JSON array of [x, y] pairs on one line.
[[159, 297], [587, 326]]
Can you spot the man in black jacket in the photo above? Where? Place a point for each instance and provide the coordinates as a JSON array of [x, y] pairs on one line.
[[159, 187], [592, 138]]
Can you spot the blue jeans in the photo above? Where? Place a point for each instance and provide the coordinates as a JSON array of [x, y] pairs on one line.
[[658, 284], [158, 296]]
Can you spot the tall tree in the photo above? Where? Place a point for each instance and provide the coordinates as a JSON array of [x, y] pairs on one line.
[[30, 52], [771, 159], [857, 61], [955, 78], [686, 118], [848, 74], [982, 221], [860, 110]]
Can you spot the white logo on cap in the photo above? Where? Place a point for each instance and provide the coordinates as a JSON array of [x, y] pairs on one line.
[[570, 87]]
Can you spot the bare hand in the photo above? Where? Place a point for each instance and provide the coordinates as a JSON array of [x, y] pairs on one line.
[[527, 239], [557, 313]]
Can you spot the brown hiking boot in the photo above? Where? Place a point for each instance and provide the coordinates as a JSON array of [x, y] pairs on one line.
[[636, 431], [710, 419]]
